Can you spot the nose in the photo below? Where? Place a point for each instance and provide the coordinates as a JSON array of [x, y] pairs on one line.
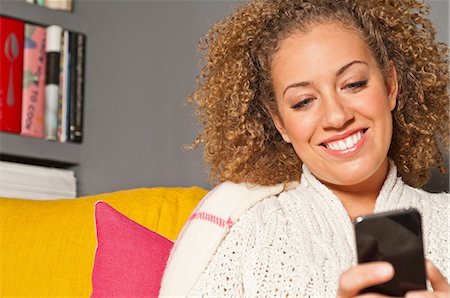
[[336, 113]]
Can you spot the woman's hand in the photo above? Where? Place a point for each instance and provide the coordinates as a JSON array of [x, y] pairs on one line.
[[362, 276], [440, 285]]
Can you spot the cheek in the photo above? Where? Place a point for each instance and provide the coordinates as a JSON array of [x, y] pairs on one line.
[[374, 105], [377, 110], [377, 100], [380, 110], [301, 128]]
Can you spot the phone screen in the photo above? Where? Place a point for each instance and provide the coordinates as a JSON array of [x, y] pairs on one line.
[[395, 237]]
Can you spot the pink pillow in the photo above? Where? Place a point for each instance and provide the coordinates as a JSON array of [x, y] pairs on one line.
[[130, 259]]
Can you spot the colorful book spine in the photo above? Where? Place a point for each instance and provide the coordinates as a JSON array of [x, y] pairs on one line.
[[53, 47], [11, 68], [33, 93], [77, 48]]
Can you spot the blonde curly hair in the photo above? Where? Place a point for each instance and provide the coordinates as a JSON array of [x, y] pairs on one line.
[[234, 94]]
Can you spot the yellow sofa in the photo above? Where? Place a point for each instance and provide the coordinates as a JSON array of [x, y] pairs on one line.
[[47, 248]]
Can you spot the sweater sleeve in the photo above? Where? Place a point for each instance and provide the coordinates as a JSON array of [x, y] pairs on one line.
[[240, 265], [223, 275]]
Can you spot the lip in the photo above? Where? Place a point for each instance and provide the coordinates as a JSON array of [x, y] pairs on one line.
[[342, 135], [350, 151]]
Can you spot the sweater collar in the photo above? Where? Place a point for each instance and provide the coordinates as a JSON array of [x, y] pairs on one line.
[[391, 189]]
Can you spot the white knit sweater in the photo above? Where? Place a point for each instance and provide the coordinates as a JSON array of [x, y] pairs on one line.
[[299, 242]]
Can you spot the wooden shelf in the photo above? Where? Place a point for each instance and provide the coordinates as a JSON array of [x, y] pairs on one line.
[[38, 151]]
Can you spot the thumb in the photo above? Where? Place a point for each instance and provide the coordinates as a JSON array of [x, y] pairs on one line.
[[436, 278]]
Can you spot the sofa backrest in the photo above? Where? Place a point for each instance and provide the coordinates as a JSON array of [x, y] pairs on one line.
[[47, 248]]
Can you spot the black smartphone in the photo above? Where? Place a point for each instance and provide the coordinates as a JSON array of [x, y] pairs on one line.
[[394, 237]]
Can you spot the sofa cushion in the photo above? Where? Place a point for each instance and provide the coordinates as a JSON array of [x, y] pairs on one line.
[[130, 259], [47, 248]]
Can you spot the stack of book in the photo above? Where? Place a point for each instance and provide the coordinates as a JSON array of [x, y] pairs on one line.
[[35, 182], [42, 80], [65, 5]]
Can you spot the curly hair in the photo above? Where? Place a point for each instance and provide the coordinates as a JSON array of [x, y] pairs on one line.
[[234, 96]]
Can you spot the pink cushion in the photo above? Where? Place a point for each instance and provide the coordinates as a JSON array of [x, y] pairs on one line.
[[130, 259]]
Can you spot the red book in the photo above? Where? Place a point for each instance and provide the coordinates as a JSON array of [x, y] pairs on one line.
[[11, 67], [33, 97]]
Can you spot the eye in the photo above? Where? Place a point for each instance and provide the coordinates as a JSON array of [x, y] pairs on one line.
[[303, 103], [356, 85]]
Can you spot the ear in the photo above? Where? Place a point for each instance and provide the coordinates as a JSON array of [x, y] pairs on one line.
[[392, 85], [280, 126]]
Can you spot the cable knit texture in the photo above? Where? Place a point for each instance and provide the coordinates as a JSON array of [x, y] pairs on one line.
[[299, 242]]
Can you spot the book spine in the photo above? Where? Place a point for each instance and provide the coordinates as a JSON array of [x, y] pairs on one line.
[[64, 89], [72, 83], [34, 64], [77, 133], [53, 47], [11, 68]]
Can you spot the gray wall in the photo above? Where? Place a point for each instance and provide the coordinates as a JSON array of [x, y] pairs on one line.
[[141, 65], [142, 62]]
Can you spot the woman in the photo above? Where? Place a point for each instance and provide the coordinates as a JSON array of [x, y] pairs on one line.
[[347, 97]]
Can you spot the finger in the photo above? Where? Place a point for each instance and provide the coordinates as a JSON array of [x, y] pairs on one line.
[[425, 294], [371, 295], [436, 278], [362, 276]]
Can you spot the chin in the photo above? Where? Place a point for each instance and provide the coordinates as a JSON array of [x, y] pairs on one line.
[[353, 173]]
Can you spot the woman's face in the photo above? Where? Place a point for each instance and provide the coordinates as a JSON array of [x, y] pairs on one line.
[[333, 103]]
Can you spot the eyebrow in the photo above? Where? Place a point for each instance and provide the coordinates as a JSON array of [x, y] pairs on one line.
[[338, 73]]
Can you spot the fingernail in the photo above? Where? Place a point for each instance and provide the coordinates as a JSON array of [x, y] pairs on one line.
[[384, 270]]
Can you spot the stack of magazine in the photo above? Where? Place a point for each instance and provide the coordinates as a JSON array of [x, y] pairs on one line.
[[35, 182]]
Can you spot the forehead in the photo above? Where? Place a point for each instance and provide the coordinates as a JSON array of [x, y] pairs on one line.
[[322, 46]]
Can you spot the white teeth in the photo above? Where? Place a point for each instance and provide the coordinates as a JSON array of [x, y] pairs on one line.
[[346, 143], [349, 142]]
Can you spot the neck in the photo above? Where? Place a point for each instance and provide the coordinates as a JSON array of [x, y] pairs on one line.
[[360, 198]]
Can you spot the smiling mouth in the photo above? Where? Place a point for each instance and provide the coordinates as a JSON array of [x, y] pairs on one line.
[[345, 143]]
